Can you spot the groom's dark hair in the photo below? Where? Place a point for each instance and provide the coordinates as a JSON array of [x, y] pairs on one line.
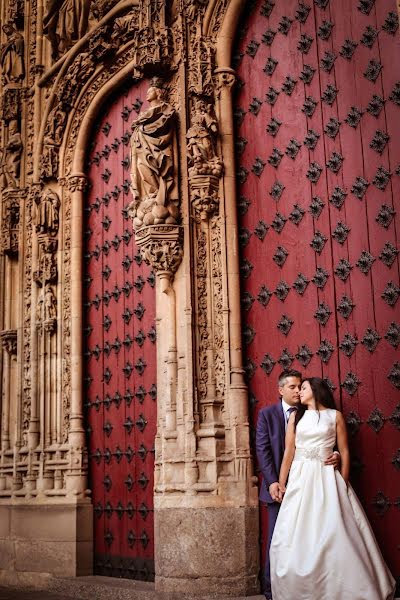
[[288, 373]]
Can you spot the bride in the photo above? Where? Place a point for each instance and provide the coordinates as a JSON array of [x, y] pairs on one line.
[[323, 547]]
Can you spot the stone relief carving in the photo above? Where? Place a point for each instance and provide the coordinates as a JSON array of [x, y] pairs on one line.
[[31, 200], [12, 55], [161, 246], [9, 240], [46, 225], [10, 104], [10, 161], [47, 213], [64, 23], [219, 359], [15, 10], [46, 310], [99, 8], [152, 163], [201, 141], [161, 240], [9, 341]]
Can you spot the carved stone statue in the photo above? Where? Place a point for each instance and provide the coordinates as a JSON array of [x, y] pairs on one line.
[[152, 162], [10, 161], [64, 23], [201, 142], [50, 304], [12, 55], [47, 215]]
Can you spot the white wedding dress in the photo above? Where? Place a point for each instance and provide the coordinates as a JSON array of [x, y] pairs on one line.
[[323, 547]]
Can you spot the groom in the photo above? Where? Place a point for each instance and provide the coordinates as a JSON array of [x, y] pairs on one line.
[[270, 445]]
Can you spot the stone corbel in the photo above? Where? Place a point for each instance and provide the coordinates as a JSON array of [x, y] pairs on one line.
[[225, 78], [161, 246], [9, 341], [204, 195]]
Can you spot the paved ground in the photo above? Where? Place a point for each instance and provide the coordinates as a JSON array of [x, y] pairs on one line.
[[100, 588], [7, 594]]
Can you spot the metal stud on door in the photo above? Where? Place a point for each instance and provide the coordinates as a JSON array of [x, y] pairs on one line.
[[317, 113], [120, 353]]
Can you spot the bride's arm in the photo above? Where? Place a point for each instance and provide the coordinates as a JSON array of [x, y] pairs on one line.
[[343, 446], [290, 448]]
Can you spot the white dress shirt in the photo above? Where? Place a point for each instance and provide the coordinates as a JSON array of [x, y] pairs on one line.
[[286, 408]]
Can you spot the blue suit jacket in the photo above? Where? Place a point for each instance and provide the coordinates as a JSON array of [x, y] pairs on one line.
[[270, 446]]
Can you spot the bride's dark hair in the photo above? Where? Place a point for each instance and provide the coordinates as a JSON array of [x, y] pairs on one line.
[[322, 394]]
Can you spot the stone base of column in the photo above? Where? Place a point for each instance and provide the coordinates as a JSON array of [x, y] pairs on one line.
[[39, 539], [207, 550]]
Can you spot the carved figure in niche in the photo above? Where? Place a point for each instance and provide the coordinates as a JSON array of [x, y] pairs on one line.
[[11, 104], [49, 161], [11, 158], [201, 141], [64, 23], [12, 55], [55, 125], [40, 308], [152, 162], [99, 8], [47, 215], [10, 226], [50, 304], [47, 271]]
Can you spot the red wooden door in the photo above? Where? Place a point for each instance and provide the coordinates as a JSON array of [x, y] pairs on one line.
[[318, 152], [120, 354]]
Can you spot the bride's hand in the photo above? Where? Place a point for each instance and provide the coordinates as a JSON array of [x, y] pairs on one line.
[[281, 492]]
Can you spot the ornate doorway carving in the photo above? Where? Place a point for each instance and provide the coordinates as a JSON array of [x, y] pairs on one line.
[[318, 181], [120, 389]]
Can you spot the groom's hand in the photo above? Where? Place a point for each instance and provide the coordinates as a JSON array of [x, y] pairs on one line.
[[334, 460], [274, 491], [277, 491]]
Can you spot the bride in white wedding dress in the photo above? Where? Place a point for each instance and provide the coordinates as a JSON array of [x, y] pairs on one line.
[[323, 547]]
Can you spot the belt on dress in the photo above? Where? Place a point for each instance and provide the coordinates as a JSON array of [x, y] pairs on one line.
[[312, 453]]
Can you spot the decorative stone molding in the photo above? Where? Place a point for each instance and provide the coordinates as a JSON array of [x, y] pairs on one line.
[[9, 341]]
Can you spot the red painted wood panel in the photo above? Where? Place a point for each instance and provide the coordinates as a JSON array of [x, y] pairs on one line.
[[334, 221], [120, 353]]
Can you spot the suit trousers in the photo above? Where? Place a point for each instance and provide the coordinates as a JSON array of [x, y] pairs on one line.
[[273, 510]]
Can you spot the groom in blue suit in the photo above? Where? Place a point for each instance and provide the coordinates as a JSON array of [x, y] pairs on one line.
[[270, 445]]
